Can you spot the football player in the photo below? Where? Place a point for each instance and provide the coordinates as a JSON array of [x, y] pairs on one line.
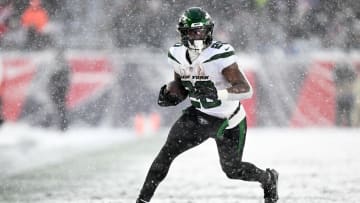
[[207, 72]]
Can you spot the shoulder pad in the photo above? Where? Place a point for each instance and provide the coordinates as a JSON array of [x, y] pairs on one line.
[[219, 47], [220, 50], [173, 53], [173, 47]]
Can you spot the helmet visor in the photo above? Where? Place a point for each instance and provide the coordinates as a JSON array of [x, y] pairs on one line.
[[197, 33]]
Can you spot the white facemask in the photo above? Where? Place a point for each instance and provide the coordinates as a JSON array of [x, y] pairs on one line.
[[197, 46]]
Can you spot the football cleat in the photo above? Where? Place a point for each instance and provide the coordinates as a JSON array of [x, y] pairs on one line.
[[271, 187]]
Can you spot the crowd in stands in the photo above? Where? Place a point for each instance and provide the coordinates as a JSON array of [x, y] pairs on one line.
[[250, 25], [24, 25]]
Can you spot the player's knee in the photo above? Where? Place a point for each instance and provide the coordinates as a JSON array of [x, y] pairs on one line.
[[231, 173]]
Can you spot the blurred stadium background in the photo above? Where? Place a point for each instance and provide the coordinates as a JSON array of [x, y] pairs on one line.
[[302, 57]]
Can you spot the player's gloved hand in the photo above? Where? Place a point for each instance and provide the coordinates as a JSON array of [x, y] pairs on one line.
[[203, 92], [166, 99]]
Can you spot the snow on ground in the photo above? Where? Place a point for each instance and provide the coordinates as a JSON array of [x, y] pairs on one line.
[[23, 147], [109, 165]]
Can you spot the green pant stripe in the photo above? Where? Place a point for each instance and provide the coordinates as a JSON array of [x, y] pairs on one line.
[[222, 128], [242, 133]]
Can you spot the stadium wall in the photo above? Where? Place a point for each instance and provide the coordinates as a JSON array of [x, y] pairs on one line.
[[115, 87]]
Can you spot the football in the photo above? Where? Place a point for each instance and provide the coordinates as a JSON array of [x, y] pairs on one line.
[[175, 88]]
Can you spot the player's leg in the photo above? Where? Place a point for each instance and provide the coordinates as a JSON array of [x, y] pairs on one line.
[[185, 134], [230, 148]]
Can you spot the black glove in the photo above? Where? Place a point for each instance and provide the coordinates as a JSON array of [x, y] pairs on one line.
[[205, 91], [166, 99]]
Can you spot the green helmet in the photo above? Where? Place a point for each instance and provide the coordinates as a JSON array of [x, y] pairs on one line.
[[195, 24]]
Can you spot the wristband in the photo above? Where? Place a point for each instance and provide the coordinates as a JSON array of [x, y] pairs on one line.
[[225, 95]]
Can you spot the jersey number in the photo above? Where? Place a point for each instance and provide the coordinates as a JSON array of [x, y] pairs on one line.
[[203, 102], [217, 45]]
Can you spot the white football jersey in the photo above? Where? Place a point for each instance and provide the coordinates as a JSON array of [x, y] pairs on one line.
[[206, 69]]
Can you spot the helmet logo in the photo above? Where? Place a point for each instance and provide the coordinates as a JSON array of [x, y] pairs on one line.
[[199, 24]]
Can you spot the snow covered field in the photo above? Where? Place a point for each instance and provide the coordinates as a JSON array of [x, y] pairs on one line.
[[109, 165]]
